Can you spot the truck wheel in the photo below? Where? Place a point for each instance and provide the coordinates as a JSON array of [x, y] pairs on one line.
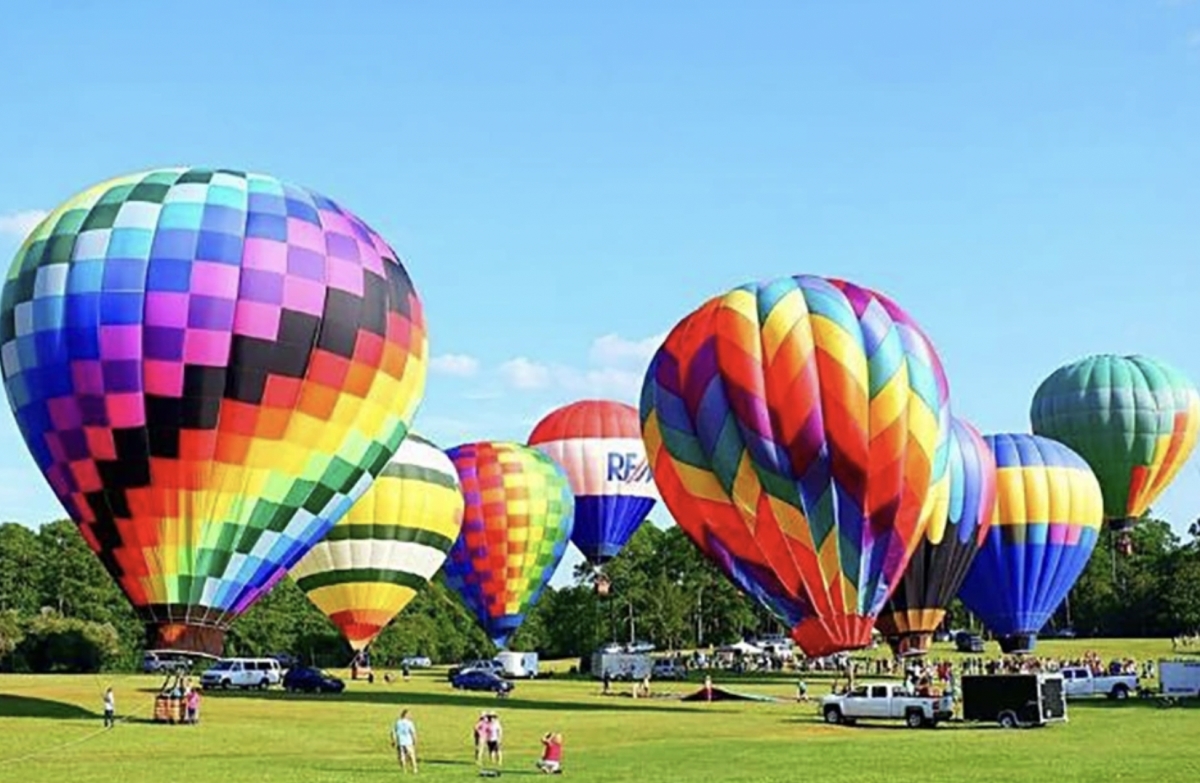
[[914, 719], [1120, 693], [833, 716], [1008, 720]]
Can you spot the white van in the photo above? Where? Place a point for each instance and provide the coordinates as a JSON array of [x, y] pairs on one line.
[[517, 665], [242, 673]]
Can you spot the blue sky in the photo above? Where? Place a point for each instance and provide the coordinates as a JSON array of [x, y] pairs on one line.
[[566, 180]]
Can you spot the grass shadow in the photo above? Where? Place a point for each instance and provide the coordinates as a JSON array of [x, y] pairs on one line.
[[1132, 703], [33, 707], [461, 699]]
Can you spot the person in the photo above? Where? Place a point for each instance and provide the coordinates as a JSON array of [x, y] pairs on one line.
[[404, 737], [193, 706], [607, 680], [708, 687], [801, 691], [480, 734], [110, 709], [551, 761], [404, 669], [495, 735]]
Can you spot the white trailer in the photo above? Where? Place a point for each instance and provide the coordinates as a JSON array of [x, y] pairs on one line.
[[1179, 679], [621, 666], [518, 665]]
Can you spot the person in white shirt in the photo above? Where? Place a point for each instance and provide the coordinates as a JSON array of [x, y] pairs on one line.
[[110, 709], [495, 735], [404, 737]]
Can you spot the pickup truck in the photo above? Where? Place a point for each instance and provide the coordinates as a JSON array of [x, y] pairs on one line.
[[886, 701], [1080, 681]]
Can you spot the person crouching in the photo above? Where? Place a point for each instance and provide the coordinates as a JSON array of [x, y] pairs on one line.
[[551, 761]]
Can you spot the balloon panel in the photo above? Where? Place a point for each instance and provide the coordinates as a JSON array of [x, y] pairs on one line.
[[388, 546], [814, 409], [598, 443], [208, 366], [1048, 515], [517, 524], [1134, 419]]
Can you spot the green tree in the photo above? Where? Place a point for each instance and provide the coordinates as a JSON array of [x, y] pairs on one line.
[[20, 568]]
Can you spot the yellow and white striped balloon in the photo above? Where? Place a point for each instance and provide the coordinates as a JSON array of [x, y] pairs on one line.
[[388, 546]]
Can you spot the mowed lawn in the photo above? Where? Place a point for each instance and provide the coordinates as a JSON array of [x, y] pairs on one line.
[[49, 732]]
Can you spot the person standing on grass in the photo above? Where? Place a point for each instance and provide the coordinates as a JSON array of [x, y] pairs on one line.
[[495, 736], [192, 701], [404, 737], [110, 709]]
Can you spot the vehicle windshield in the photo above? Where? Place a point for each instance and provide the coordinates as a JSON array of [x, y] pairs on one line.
[[221, 666]]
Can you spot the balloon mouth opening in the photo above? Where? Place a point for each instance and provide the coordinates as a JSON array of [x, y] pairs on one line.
[[205, 640], [1122, 525], [1018, 644], [910, 645], [819, 637]]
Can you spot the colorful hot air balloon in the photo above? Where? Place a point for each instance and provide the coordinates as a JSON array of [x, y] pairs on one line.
[[599, 443], [209, 367], [516, 526], [388, 545], [1048, 516], [960, 516], [802, 419], [1133, 419]]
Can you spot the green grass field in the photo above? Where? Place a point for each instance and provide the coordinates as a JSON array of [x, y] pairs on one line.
[[49, 732]]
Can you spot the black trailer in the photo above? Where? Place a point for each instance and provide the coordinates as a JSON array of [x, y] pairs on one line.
[[1014, 700]]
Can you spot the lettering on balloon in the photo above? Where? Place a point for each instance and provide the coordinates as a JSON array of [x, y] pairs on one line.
[[628, 468]]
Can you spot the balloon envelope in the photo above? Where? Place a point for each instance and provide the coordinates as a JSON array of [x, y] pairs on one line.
[[960, 517], [1134, 419], [209, 367], [516, 526], [1048, 516], [803, 418], [599, 444], [388, 546]]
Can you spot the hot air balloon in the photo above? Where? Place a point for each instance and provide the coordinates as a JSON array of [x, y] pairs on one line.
[[516, 526], [1048, 516], [388, 545], [599, 443], [960, 516], [802, 418], [1134, 419], [209, 367]]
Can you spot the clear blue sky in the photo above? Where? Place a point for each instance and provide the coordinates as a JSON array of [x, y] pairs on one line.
[[1022, 176]]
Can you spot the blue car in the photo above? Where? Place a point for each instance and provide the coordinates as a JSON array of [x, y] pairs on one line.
[[309, 680], [479, 680]]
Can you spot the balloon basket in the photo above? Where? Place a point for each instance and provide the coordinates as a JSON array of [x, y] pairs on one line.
[[169, 709]]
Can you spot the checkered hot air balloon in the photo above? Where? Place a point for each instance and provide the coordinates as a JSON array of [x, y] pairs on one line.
[[1049, 511], [960, 514], [209, 367], [388, 546], [794, 429], [1132, 418], [516, 526], [599, 444]]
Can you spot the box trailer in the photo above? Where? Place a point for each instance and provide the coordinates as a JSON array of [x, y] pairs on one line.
[[1014, 700], [1179, 679], [517, 665], [621, 666]]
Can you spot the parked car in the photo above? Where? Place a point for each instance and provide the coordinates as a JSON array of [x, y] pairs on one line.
[[887, 701], [1079, 681], [478, 665], [242, 673], [156, 663], [417, 662], [308, 679], [668, 670], [967, 642], [480, 680]]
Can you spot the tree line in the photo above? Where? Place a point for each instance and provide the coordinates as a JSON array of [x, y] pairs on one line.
[[60, 611]]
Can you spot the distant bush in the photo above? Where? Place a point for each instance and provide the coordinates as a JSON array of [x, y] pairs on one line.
[[53, 643]]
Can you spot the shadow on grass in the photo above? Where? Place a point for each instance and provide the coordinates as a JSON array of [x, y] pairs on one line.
[[1132, 703], [460, 699], [32, 707]]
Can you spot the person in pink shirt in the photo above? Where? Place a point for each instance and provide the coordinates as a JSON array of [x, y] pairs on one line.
[[192, 704], [551, 761], [480, 737]]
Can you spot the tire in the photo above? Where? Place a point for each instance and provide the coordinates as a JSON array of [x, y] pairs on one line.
[[833, 716], [914, 719], [1007, 720], [263, 684], [1120, 693], [225, 685]]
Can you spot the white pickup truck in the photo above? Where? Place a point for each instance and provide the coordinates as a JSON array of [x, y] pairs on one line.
[[1080, 681], [886, 701]]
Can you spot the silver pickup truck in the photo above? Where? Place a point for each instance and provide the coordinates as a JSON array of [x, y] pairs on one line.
[[886, 701]]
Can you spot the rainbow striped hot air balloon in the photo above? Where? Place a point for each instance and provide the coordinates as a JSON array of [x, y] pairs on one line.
[[1048, 516], [516, 526], [960, 515], [803, 421], [209, 367], [388, 546], [1134, 419], [599, 444]]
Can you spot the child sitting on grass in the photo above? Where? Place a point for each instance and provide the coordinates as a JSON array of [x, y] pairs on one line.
[[551, 761]]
